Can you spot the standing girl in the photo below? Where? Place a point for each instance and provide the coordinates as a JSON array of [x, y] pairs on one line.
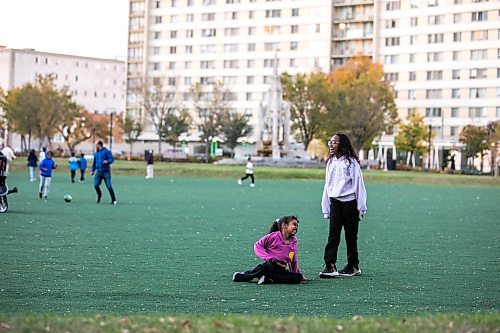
[[278, 249], [344, 199]]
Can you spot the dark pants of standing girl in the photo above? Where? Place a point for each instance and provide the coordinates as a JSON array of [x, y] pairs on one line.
[[274, 272], [343, 214]]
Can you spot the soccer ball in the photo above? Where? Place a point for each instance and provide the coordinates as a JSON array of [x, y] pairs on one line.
[[68, 198]]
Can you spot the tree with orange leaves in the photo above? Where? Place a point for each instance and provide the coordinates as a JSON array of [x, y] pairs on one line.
[[361, 103]]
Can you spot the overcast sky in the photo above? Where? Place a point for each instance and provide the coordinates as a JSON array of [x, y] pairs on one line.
[[93, 28]]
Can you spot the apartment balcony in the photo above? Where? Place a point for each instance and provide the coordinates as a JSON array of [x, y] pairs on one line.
[[354, 35], [353, 18]]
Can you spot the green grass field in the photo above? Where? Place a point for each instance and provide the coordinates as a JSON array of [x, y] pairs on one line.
[[172, 244]]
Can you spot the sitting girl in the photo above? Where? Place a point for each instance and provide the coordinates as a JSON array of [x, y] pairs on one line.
[[278, 249]]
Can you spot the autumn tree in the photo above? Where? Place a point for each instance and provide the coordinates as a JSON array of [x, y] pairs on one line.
[[234, 126], [21, 108], [361, 103], [412, 136], [475, 140], [307, 96], [132, 129]]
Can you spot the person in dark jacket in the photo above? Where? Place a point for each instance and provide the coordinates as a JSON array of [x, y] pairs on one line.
[[32, 164], [101, 170], [150, 162], [82, 165]]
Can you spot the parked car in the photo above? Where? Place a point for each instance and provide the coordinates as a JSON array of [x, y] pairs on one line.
[[176, 153]]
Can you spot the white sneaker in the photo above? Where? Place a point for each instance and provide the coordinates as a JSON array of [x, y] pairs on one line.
[[264, 280], [252, 185], [239, 181]]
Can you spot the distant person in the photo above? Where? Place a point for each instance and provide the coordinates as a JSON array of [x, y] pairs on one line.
[[3, 180], [344, 199], [101, 170], [82, 165], [248, 173], [32, 164], [9, 155], [452, 164], [150, 159], [278, 249], [42, 154], [73, 166], [46, 166]]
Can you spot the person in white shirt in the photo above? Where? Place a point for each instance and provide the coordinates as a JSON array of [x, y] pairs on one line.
[[344, 199], [9, 154], [248, 173]]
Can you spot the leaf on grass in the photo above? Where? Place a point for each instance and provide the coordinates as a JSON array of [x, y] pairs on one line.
[[186, 325]]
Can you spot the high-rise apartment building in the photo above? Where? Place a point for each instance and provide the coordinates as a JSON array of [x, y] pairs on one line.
[[442, 56], [236, 42], [444, 60], [96, 84]]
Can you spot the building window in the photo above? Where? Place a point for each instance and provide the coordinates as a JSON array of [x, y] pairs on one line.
[[479, 35], [173, 50], [249, 97], [455, 93], [434, 56], [477, 92], [157, 19], [392, 41], [208, 32], [187, 81], [434, 38], [433, 112], [173, 34], [250, 63], [413, 56], [455, 74], [412, 76], [208, 17], [433, 94], [453, 130], [294, 29], [156, 66], [456, 55], [477, 73], [273, 13], [413, 21], [478, 54], [189, 33], [477, 112], [251, 47], [157, 35], [393, 5], [434, 75], [457, 36], [435, 19], [251, 31], [457, 18], [207, 64], [251, 14], [455, 112], [230, 47], [412, 94], [189, 18], [479, 16], [295, 12], [188, 49], [188, 65], [250, 79], [231, 31], [271, 46]]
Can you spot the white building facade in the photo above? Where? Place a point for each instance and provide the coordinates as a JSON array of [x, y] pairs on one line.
[[442, 56], [444, 60], [96, 84], [228, 41]]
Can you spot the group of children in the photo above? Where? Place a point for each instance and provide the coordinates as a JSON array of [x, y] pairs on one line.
[[343, 202], [47, 164]]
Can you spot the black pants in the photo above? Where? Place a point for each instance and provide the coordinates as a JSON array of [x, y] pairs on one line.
[[249, 175], [273, 271], [343, 214], [82, 175], [73, 173]]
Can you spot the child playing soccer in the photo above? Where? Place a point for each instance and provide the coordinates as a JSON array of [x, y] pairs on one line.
[[278, 249], [46, 167]]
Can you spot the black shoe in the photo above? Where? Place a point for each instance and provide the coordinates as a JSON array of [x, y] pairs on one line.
[[14, 190], [239, 277], [329, 272], [40, 195], [350, 271], [98, 199]]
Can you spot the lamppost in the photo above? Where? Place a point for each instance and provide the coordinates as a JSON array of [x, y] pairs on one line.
[[111, 130], [429, 157]]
